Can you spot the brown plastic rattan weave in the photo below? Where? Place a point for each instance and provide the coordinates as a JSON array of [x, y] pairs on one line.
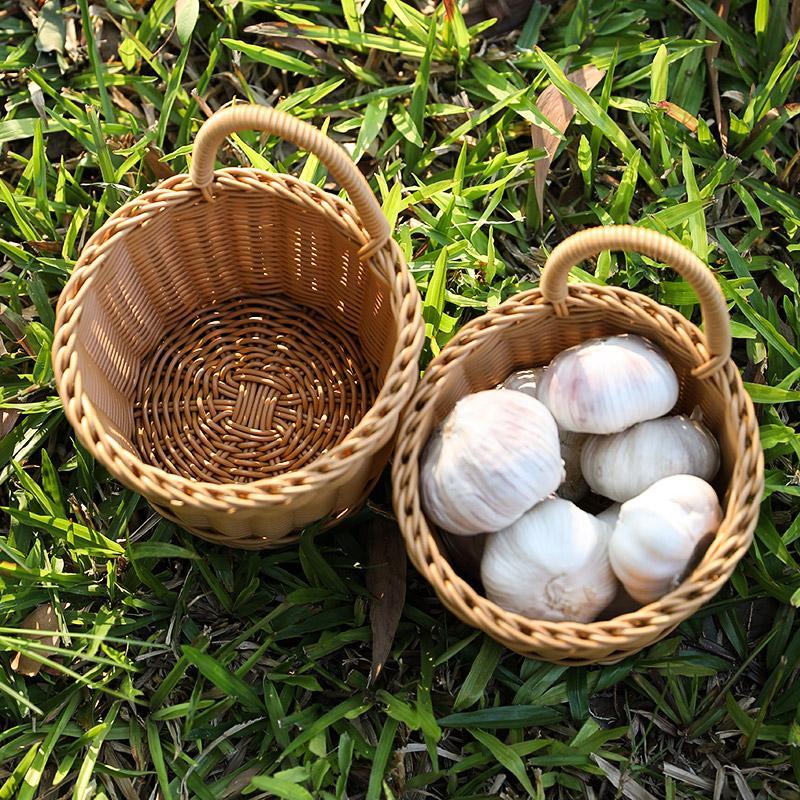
[[237, 345], [528, 330]]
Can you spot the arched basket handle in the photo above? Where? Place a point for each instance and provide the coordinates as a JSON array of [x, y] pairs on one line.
[[573, 250], [245, 116]]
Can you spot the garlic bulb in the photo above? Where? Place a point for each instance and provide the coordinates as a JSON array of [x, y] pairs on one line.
[[574, 486], [552, 564], [606, 385], [524, 380], [494, 457], [621, 465], [610, 515], [659, 533]]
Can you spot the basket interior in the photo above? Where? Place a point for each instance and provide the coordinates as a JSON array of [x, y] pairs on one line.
[[234, 339], [534, 341]]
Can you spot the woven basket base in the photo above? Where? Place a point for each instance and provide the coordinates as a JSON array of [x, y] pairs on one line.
[[251, 542], [248, 389]]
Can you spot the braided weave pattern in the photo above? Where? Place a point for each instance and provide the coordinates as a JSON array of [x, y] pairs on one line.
[[256, 285], [247, 391], [529, 330]]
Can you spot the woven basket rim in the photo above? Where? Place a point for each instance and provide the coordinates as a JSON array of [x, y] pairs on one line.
[[693, 591], [179, 190]]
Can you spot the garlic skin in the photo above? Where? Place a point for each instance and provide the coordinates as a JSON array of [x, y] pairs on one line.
[[621, 465], [551, 564], [606, 385], [524, 380], [495, 456], [574, 486], [659, 532]]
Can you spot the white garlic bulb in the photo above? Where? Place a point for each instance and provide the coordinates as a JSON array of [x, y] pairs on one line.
[[551, 564], [659, 533], [495, 456], [606, 385], [574, 486], [621, 465], [524, 380]]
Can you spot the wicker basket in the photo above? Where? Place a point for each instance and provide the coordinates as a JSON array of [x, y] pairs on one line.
[[237, 345], [529, 330]]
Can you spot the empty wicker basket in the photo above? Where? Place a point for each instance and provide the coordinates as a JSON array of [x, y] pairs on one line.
[[237, 345], [529, 330]]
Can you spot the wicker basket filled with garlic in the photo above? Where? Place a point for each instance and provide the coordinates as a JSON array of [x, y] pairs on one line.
[[580, 469]]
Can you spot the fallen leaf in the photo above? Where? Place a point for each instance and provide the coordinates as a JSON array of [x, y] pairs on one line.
[[126, 105], [51, 31], [8, 419], [41, 619], [37, 98], [560, 112], [160, 169], [745, 792], [309, 49], [43, 246], [712, 51], [626, 785], [794, 16], [386, 583], [684, 776], [679, 115]]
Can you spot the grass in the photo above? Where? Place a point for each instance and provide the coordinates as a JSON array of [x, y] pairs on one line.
[[186, 670]]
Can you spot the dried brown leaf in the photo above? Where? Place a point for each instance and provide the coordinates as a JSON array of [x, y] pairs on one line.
[[449, 10], [794, 16], [679, 115], [158, 168], [386, 583], [745, 792], [41, 619], [689, 778], [309, 49], [560, 112], [627, 786], [8, 419], [125, 104]]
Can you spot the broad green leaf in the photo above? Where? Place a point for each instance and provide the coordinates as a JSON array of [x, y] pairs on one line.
[[506, 756], [479, 675], [227, 682], [274, 58], [595, 115], [186, 12]]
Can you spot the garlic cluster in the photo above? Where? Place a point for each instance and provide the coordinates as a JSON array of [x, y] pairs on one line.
[[552, 563], [621, 465], [511, 463], [607, 385], [495, 456], [659, 533], [574, 487]]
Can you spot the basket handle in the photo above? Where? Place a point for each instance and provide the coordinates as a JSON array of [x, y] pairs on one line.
[[593, 241], [244, 116]]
